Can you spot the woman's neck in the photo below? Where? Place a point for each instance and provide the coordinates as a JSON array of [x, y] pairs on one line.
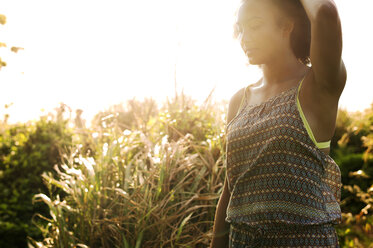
[[281, 71]]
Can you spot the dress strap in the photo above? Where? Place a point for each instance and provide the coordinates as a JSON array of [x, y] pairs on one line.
[[320, 145]]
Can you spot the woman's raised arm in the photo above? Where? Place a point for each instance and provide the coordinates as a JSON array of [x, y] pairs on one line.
[[326, 45]]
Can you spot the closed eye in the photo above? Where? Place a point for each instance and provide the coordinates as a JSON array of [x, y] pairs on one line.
[[255, 27]]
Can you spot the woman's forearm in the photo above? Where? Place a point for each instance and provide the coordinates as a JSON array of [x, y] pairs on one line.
[[221, 228]]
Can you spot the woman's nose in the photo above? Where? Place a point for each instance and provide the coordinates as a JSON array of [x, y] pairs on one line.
[[243, 42], [244, 38]]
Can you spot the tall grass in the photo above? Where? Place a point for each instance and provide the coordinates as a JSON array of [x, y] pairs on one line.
[[154, 186]]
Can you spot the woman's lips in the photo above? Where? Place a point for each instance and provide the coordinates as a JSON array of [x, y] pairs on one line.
[[251, 50]]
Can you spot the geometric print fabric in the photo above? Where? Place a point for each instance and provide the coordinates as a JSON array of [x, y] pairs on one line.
[[277, 175], [325, 235]]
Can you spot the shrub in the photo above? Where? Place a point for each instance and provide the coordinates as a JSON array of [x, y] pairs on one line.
[[354, 156], [26, 151]]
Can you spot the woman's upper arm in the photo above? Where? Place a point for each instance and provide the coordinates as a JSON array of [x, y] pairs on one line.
[[326, 50], [234, 104], [233, 107]]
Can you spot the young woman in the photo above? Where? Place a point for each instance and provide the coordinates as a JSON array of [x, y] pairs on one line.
[[282, 189]]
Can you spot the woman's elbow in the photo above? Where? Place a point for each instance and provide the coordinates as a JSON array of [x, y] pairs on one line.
[[327, 11]]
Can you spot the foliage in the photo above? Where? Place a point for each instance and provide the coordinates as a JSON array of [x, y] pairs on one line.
[[135, 115], [26, 151], [354, 156], [13, 49], [2, 19], [181, 116], [138, 190]]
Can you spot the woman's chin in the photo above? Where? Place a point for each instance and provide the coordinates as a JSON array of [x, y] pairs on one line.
[[253, 61]]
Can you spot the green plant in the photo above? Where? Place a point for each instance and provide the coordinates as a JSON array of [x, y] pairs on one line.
[[354, 156], [135, 193], [26, 151], [139, 187]]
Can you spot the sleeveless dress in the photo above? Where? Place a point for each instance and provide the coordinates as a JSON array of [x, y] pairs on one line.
[[285, 192]]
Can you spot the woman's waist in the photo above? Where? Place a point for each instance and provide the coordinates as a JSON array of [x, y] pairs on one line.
[[281, 213], [281, 227]]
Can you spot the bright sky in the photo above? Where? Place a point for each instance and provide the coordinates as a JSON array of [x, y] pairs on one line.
[[92, 54]]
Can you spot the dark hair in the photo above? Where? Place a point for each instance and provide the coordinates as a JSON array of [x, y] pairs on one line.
[[300, 38]]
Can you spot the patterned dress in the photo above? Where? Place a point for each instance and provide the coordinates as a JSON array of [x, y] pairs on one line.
[[285, 192]]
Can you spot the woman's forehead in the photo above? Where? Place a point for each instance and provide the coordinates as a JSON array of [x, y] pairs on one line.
[[251, 10]]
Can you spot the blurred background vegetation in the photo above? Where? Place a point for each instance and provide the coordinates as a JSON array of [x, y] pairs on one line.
[[2, 44], [143, 175]]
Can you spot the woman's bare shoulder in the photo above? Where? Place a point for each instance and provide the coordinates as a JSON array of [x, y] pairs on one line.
[[234, 103]]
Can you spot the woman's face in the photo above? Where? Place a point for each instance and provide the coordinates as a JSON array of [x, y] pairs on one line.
[[258, 30]]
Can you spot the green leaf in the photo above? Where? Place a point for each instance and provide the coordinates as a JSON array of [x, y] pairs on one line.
[[180, 229], [2, 19], [125, 242], [139, 239]]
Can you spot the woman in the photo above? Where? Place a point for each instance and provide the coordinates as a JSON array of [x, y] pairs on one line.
[[282, 189]]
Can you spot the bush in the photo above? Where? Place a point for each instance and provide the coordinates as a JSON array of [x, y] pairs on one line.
[[26, 151], [354, 156]]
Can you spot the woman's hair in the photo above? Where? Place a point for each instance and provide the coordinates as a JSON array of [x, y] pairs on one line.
[[300, 38]]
